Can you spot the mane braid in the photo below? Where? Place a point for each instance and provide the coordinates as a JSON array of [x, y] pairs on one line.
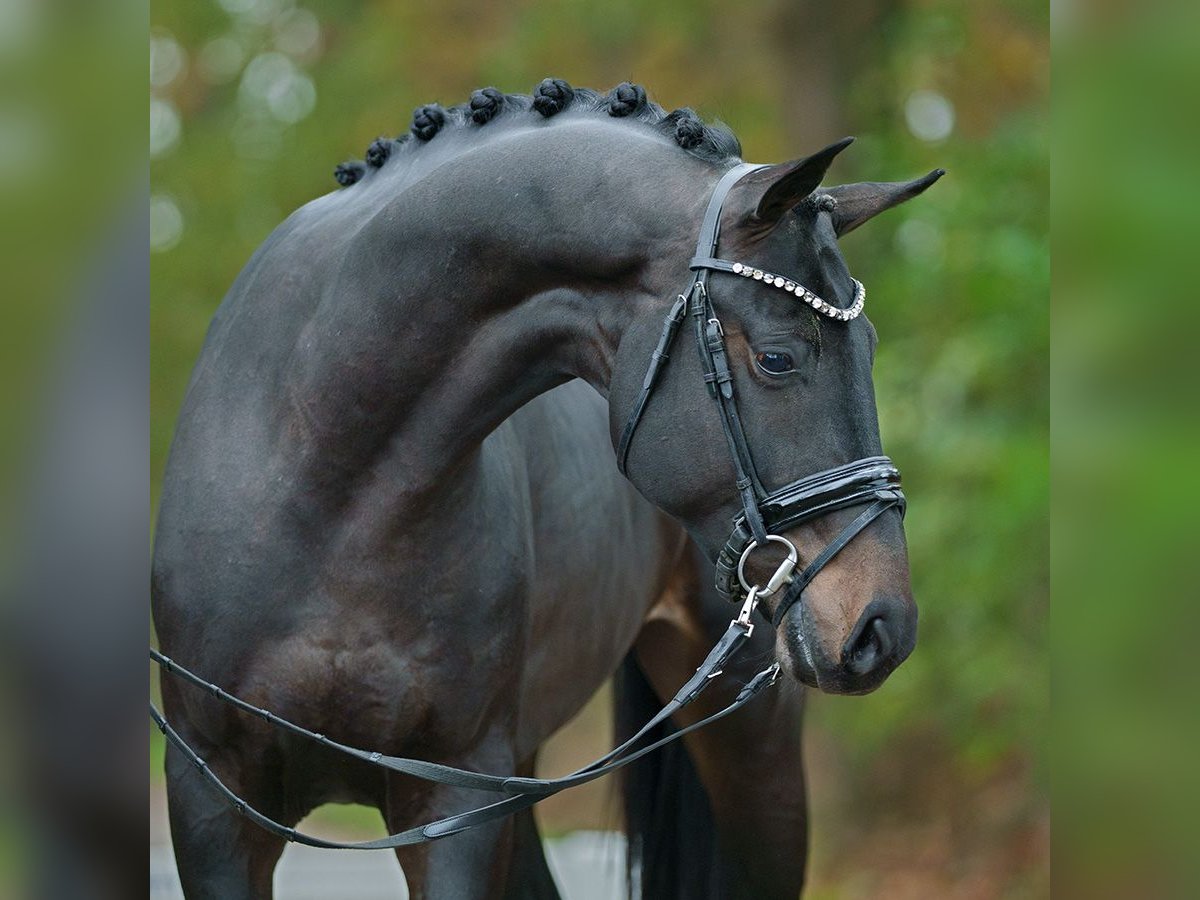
[[713, 143]]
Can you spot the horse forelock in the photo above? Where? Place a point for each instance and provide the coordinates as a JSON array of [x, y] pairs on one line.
[[711, 142]]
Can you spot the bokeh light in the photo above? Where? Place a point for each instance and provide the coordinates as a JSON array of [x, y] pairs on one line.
[[930, 116], [165, 127], [166, 223]]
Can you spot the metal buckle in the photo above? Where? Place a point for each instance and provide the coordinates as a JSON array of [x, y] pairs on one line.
[[717, 322], [782, 575], [743, 617]]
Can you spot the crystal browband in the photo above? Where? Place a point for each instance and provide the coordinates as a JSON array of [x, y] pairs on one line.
[[787, 284]]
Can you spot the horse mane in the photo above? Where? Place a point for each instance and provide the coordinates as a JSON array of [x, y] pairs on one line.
[[713, 143]]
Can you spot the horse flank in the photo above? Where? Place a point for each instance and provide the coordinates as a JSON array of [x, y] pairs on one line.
[[713, 143]]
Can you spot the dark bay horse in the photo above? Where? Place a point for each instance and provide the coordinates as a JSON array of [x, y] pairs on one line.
[[391, 511]]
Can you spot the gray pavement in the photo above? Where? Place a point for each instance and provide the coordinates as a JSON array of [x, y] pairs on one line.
[[586, 864]]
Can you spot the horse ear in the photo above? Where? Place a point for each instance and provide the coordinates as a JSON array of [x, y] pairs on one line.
[[787, 184], [858, 202]]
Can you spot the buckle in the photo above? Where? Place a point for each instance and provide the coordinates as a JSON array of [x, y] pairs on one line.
[[743, 617]]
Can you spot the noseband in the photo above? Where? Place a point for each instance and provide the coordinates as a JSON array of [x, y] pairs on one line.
[[873, 480]]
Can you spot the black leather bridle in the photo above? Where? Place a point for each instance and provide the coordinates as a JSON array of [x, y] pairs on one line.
[[874, 481]]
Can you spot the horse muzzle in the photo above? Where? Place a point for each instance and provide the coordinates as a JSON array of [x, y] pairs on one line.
[[882, 638]]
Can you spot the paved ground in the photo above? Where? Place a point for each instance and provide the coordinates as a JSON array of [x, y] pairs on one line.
[[587, 865]]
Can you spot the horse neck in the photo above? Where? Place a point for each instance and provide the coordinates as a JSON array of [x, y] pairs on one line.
[[488, 281]]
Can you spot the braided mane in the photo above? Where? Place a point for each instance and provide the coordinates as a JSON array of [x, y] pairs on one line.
[[712, 143]]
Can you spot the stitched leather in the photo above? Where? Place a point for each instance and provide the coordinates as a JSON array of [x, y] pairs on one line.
[[526, 791], [858, 482]]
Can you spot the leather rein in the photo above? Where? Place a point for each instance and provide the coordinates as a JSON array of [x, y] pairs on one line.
[[873, 481]]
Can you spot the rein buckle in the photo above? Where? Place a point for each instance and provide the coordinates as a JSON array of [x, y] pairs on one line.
[[743, 617]]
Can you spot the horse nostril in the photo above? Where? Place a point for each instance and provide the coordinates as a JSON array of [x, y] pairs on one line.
[[883, 636], [882, 639], [873, 645]]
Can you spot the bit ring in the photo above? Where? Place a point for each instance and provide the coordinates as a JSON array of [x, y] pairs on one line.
[[782, 575]]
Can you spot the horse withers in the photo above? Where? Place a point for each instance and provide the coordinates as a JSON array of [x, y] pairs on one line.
[[391, 511]]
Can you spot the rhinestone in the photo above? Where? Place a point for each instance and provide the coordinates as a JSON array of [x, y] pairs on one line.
[[747, 271], [778, 281], [737, 268], [758, 274], [789, 286]]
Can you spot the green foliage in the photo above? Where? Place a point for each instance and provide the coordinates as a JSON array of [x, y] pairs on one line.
[[960, 282]]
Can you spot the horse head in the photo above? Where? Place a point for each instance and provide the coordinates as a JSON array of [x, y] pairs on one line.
[[793, 356]]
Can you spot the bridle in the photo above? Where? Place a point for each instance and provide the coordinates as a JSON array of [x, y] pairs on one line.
[[874, 481]]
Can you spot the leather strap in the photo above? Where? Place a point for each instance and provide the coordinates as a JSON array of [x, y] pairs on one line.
[[706, 244], [730, 642], [526, 791], [711, 263], [852, 484], [714, 359], [658, 359], [847, 534], [710, 225]]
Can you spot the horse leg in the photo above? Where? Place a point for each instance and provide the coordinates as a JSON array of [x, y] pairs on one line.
[[470, 865], [219, 854], [749, 764], [529, 875]]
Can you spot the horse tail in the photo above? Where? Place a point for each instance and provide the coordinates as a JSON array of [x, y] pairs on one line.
[[673, 851]]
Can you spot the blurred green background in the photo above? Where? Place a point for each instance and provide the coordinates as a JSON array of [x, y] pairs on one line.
[[935, 785]]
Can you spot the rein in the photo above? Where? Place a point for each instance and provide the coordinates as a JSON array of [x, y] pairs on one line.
[[873, 481], [523, 792]]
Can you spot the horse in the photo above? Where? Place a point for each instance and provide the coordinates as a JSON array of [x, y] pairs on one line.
[[391, 512]]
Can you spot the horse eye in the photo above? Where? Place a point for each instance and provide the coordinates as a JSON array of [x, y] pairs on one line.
[[774, 362]]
